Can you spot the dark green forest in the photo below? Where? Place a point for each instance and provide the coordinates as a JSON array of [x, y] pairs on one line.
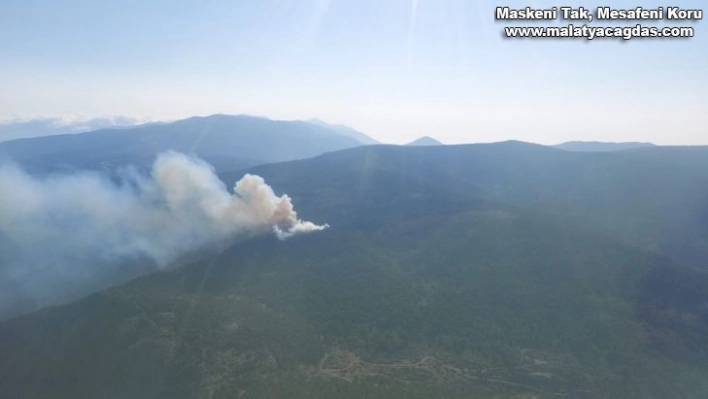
[[503, 270]]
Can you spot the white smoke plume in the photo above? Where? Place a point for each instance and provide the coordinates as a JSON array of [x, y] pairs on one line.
[[58, 224]]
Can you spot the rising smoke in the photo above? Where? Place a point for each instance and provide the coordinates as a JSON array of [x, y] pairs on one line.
[[69, 225]]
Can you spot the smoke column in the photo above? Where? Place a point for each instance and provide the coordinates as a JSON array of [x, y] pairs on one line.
[[58, 230]]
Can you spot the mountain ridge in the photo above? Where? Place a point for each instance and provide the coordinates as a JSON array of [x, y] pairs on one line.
[[599, 146], [236, 141], [346, 130]]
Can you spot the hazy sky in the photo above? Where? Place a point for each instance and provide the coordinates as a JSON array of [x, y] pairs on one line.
[[395, 69]]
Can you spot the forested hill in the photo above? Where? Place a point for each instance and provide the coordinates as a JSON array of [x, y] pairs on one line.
[[500, 270]]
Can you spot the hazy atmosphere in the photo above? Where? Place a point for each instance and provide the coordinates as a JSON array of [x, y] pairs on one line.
[[395, 70], [325, 199]]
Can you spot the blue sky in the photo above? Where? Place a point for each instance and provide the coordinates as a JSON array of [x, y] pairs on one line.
[[395, 69]]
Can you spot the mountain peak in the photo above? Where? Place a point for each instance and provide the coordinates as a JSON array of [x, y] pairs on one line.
[[425, 140]]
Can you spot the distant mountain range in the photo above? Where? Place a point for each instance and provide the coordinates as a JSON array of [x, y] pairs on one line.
[[228, 142], [37, 127], [424, 141], [597, 146]]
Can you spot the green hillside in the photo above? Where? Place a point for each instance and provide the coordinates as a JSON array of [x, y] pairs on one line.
[[655, 198], [493, 271]]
